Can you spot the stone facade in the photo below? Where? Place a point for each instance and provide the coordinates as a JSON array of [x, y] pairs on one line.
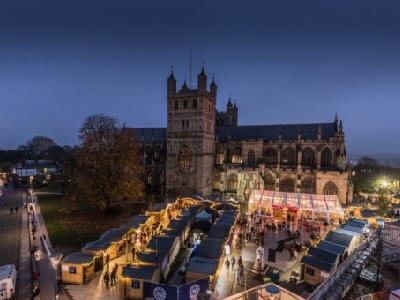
[[204, 151]]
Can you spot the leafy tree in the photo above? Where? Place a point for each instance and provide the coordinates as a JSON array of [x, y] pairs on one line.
[[108, 167], [383, 206], [61, 158], [38, 144]]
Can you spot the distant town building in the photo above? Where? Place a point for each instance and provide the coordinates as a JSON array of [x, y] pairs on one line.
[[205, 152]]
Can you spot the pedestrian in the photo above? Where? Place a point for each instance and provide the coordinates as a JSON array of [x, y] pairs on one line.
[[240, 261], [238, 275], [107, 260], [106, 278], [16, 209], [227, 264], [116, 267], [113, 274], [233, 260], [241, 272], [11, 210]]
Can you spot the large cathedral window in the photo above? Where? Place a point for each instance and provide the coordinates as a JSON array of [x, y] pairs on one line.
[[217, 181], [269, 183], [271, 157], [185, 157], [326, 158], [232, 182], [287, 185], [220, 156], [250, 158], [308, 158], [288, 157], [308, 186], [331, 189], [237, 156]]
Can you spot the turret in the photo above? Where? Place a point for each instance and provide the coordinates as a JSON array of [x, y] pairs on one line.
[[213, 89], [202, 82], [171, 82], [299, 133], [320, 131], [229, 106]]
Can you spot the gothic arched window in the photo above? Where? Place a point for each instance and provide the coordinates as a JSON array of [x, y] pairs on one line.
[[269, 183], [220, 155], [308, 158], [308, 186], [287, 185], [161, 178], [232, 182], [271, 157], [326, 158], [237, 156], [149, 178], [185, 157], [331, 189], [217, 180], [250, 161], [288, 157]]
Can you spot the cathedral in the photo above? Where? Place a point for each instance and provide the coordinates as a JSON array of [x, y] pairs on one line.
[[205, 152]]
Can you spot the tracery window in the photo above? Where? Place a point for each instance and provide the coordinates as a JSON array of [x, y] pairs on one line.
[[308, 158], [149, 178], [288, 157], [217, 180], [269, 183], [185, 157], [326, 158], [287, 185], [271, 157], [308, 186], [250, 158], [237, 156], [161, 178], [220, 155], [148, 156], [232, 182], [331, 189]]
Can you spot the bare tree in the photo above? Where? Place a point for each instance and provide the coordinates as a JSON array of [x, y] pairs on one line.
[[108, 167]]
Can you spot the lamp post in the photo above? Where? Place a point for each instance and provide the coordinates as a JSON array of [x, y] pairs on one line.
[[55, 259]]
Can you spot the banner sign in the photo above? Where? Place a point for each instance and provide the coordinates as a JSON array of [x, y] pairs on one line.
[[160, 291], [194, 289]]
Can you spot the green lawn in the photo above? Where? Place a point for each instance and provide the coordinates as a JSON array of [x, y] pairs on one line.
[[62, 232]]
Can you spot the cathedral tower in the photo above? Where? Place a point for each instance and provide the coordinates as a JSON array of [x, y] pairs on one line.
[[191, 137]]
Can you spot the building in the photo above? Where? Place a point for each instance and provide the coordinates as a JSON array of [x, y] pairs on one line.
[[205, 152]]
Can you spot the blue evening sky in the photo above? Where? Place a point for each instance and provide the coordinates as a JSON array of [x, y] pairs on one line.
[[285, 62]]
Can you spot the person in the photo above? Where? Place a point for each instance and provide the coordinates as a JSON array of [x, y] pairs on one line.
[[233, 260], [16, 209], [227, 264], [11, 210], [107, 260], [106, 278], [240, 261], [36, 291], [113, 274], [238, 275]]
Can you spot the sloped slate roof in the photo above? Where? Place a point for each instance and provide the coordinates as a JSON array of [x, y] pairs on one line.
[[160, 134], [317, 263], [164, 243], [323, 254], [171, 232], [356, 229], [203, 265], [78, 258], [220, 231], [150, 257], [113, 235], [178, 224], [335, 248], [211, 248], [348, 232], [203, 226], [6, 271], [359, 221], [98, 245], [339, 238], [271, 132], [139, 272]]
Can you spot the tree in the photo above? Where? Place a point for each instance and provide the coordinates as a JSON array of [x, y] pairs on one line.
[[108, 167], [383, 206], [39, 143], [61, 158], [369, 162]]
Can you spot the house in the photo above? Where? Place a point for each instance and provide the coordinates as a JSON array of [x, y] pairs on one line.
[[343, 239], [133, 278], [316, 270]]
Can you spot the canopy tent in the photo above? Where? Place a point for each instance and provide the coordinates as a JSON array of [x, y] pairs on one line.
[[314, 204]]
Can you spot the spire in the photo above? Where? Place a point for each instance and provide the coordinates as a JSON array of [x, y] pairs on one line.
[[229, 105], [336, 123], [172, 73], [299, 133], [341, 127], [185, 88], [319, 131], [202, 69]]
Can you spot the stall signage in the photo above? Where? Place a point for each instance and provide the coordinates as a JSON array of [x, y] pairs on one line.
[[324, 274], [72, 270], [135, 284]]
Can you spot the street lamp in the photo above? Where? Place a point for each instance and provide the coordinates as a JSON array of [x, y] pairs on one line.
[[55, 259]]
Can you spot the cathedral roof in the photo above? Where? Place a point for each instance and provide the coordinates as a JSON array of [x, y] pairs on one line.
[[271, 132], [160, 134]]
